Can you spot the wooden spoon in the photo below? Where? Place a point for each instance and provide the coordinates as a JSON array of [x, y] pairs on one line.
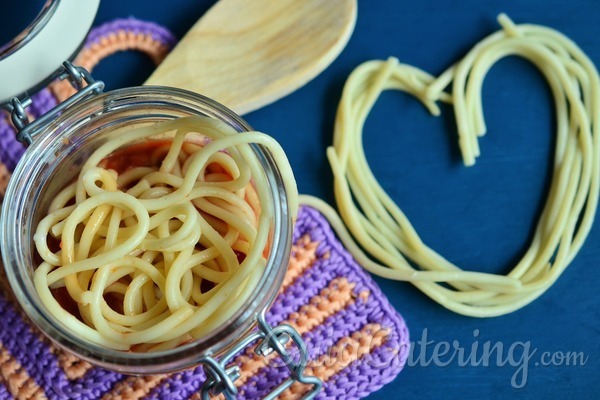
[[246, 54]]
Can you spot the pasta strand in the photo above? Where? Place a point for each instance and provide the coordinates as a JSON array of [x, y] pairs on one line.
[[371, 218], [155, 255]]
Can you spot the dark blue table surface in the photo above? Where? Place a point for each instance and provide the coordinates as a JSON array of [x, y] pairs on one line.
[[480, 218]]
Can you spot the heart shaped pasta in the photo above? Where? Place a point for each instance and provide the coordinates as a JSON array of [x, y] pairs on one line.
[[381, 228]]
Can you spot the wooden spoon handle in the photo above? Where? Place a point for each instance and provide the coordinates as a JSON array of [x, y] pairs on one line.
[[248, 53]]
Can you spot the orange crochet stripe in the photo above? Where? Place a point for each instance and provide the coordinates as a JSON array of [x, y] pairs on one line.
[[74, 367], [345, 352], [304, 254], [335, 297], [134, 387], [110, 44], [17, 381]]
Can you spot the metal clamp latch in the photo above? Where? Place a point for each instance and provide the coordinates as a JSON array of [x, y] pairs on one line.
[[220, 377], [77, 76]]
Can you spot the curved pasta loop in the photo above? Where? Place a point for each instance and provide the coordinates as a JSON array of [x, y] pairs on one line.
[[383, 230], [154, 255]]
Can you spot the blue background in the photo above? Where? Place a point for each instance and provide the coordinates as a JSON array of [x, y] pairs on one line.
[[480, 218]]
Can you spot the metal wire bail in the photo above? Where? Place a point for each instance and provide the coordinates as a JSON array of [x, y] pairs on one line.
[[220, 378], [79, 78]]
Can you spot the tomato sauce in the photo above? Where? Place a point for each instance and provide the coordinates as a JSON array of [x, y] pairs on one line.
[[65, 300], [144, 154]]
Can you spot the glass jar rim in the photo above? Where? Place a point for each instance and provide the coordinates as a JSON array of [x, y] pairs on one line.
[[12, 218]]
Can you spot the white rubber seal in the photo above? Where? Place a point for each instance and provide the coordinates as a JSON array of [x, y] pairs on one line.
[[41, 56]]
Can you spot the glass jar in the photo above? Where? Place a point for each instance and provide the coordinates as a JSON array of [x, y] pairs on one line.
[[59, 142], [56, 153]]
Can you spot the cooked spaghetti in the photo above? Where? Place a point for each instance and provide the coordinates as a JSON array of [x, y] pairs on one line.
[[161, 238], [384, 231]]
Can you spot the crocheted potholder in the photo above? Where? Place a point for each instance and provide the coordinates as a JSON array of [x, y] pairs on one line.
[[356, 341]]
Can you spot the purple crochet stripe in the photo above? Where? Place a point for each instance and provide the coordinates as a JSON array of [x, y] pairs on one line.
[[390, 357], [34, 355], [366, 375], [93, 385], [10, 149], [41, 103], [4, 395], [309, 226], [136, 26], [179, 386]]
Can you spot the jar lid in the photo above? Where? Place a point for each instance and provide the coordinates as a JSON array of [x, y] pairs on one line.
[[34, 56]]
